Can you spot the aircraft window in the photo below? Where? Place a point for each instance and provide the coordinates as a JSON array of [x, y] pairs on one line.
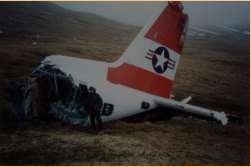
[[145, 105], [107, 109]]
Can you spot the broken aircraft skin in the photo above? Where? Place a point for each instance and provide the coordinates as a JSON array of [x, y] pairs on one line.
[[140, 80], [64, 95]]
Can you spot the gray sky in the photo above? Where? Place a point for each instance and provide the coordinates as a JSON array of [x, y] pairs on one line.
[[138, 13]]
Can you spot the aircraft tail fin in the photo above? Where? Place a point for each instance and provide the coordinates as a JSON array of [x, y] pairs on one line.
[[150, 62]]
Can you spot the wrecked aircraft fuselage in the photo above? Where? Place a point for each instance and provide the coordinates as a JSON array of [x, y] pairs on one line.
[[59, 94], [140, 80]]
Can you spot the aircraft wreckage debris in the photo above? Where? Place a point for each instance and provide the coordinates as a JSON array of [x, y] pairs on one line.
[[139, 81]]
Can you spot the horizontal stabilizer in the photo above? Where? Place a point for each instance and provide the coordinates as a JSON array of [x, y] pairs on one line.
[[219, 117], [186, 100]]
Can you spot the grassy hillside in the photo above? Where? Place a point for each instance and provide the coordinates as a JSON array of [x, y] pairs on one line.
[[33, 30], [214, 68], [22, 19]]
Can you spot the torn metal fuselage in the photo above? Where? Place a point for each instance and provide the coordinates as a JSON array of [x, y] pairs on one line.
[[60, 95]]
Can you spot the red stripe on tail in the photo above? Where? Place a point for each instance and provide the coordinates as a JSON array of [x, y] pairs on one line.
[[140, 79], [170, 28], [149, 54], [171, 64]]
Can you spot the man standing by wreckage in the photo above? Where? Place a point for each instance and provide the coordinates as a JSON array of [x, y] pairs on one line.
[[95, 105], [16, 94]]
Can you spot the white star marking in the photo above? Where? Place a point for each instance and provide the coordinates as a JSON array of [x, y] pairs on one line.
[[161, 60]]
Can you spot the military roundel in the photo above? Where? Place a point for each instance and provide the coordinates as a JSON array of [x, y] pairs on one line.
[[160, 60]]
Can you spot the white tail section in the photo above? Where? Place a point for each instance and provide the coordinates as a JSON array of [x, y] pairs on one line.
[[149, 64]]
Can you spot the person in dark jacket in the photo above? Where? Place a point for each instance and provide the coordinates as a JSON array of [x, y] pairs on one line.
[[95, 105], [16, 94]]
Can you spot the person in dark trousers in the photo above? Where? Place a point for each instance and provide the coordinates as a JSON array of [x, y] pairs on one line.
[[95, 105], [16, 94]]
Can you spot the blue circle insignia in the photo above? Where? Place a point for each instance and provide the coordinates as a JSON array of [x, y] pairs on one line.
[[160, 60]]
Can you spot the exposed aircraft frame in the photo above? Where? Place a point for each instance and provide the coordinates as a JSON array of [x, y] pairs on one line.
[[69, 112]]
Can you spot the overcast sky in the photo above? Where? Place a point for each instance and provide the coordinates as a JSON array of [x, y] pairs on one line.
[[138, 13]]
